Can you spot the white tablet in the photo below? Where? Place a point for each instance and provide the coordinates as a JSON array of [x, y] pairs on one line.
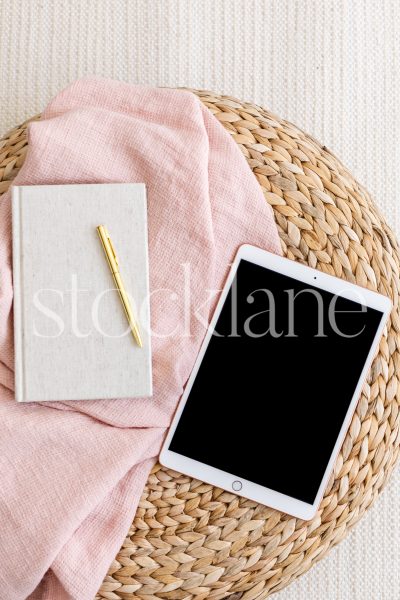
[[276, 382]]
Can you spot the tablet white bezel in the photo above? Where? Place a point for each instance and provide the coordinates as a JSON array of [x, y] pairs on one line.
[[225, 480]]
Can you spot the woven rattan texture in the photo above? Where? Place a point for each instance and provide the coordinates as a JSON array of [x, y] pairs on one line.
[[190, 540]]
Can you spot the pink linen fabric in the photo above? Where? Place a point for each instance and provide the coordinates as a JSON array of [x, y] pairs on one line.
[[72, 473]]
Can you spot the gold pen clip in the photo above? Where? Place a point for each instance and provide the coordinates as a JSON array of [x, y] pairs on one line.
[[112, 248]]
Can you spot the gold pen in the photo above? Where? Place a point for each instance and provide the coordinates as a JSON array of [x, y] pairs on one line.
[[114, 267]]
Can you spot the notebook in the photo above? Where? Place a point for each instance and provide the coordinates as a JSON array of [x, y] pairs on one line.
[[72, 338]]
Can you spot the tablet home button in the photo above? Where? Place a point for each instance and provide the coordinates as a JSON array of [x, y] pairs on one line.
[[237, 486]]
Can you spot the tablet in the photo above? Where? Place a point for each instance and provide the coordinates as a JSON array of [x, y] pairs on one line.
[[272, 392]]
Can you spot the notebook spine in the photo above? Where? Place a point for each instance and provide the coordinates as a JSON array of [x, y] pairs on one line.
[[17, 304]]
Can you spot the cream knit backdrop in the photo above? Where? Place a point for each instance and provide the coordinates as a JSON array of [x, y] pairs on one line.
[[332, 67]]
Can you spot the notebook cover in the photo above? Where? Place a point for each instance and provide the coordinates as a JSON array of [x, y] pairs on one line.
[[71, 334]]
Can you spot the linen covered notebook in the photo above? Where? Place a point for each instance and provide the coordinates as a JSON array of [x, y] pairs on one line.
[[72, 339]]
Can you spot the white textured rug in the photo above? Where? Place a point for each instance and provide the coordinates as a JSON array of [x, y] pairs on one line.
[[330, 66]]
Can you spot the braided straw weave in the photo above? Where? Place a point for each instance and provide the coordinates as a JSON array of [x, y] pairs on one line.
[[190, 540]]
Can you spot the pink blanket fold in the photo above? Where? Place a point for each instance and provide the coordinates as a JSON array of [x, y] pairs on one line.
[[72, 473]]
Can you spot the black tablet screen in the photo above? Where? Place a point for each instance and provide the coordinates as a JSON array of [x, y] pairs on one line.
[[276, 381]]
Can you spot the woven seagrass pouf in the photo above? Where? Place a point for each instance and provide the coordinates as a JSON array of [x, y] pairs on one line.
[[190, 540]]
